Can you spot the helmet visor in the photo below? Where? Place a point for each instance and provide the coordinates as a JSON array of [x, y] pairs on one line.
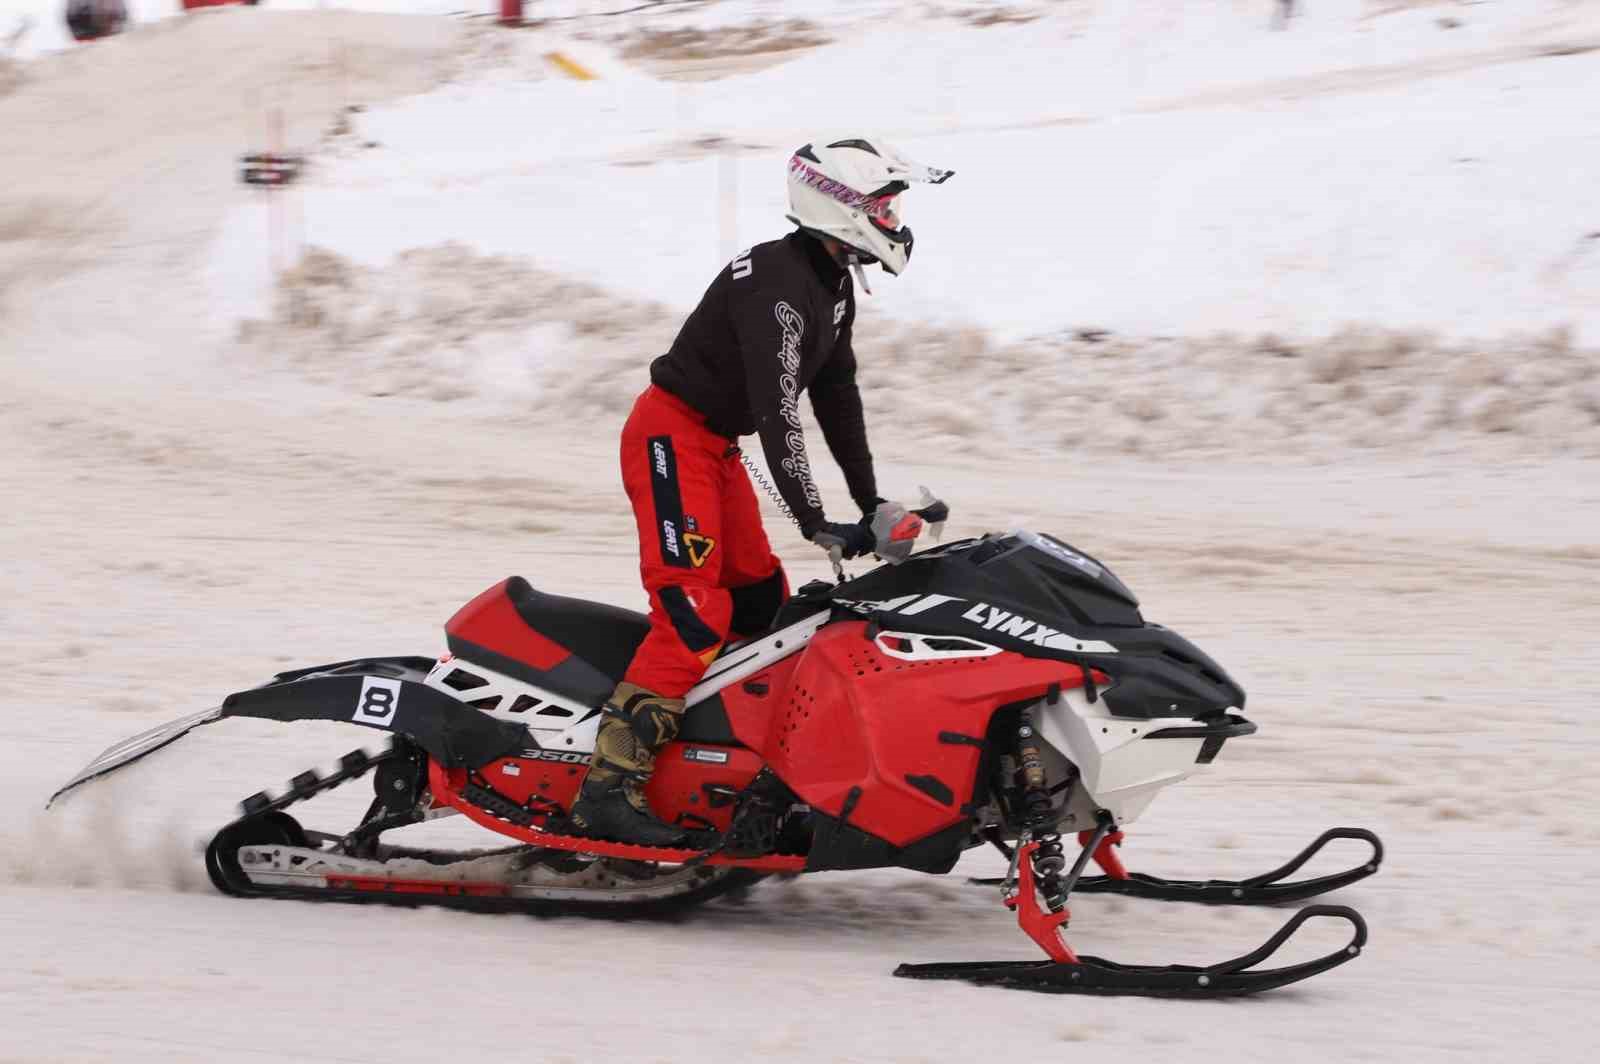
[[884, 211]]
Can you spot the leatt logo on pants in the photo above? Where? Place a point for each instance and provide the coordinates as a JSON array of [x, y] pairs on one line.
[[667, 501]]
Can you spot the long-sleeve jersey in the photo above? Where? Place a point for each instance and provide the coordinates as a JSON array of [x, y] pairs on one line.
[[776, 322]]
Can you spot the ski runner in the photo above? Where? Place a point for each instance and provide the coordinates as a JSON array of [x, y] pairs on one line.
[[776, 321]]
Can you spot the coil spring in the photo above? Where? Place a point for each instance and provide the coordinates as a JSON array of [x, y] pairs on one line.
[[767, 486], [1049, 860]]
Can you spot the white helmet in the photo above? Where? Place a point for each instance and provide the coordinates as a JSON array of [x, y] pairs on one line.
[[850, 190]]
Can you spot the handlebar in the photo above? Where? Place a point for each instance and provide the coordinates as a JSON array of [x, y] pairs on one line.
[[896, 528]]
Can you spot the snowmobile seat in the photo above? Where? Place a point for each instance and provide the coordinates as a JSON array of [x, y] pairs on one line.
[[606, 637]]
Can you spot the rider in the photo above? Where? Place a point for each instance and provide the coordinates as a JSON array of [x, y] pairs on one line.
[[776, 321]]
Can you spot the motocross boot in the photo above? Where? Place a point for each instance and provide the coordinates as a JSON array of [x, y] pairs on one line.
[[634, 726]]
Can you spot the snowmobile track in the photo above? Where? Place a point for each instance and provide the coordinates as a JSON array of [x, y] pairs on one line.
[[265, 822]]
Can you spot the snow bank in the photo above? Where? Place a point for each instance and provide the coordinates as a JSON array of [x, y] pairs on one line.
[[445, 323], [1174, 169], [451, 325]]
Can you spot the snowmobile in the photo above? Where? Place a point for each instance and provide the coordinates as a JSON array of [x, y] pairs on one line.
[[1002, 690]]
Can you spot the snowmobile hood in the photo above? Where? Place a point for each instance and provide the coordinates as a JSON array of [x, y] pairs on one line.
[[1042, 597]]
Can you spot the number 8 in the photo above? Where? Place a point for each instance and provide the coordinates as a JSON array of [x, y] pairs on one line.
[[378, 703]]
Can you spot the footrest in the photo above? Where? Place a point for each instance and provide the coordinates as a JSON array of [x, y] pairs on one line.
[[439, 784]]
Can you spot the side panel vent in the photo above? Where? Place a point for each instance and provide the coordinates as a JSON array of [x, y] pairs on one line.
[[462, 680]]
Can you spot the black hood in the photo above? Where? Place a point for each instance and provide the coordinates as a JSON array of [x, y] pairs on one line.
[[1041, 597]]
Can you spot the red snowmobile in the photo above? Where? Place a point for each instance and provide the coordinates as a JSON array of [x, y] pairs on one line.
[[997, 691]]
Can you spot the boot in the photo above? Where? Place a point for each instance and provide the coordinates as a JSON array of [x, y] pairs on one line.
[[611, 805]]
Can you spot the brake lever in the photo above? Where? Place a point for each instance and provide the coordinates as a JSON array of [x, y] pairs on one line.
[[934, 512]]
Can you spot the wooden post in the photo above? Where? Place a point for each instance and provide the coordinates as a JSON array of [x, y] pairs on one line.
[[727, 207], [275, 235]]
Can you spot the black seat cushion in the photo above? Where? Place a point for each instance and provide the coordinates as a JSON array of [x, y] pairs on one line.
[[605, 636]]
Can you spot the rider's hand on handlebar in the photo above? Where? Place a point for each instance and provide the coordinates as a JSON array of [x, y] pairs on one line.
[[936, 512], [853, 540]]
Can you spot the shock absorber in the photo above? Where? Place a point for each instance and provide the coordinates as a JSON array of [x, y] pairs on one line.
[[1048, 858]]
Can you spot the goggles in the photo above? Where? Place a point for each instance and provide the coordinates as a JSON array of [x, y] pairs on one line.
[[884, 211]]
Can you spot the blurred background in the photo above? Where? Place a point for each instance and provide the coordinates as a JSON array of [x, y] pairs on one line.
[[316, 319]]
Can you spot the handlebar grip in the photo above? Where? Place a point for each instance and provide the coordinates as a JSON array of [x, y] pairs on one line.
[[934, 513]]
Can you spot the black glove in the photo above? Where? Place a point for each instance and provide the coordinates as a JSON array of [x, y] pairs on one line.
[[852, 540]]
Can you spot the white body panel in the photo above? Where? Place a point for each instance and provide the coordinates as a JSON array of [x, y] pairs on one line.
[[1121, 769]]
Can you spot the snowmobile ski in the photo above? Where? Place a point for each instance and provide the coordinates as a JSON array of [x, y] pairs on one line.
[[1264, 889], [1034, 866], [1092, 975]]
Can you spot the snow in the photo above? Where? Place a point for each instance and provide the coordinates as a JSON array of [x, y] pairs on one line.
[[1386, 530], [1328, 179]]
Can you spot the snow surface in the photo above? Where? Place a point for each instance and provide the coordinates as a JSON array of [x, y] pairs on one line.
[[1387, 533]]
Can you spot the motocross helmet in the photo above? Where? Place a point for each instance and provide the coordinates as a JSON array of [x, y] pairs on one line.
[[849, 190]]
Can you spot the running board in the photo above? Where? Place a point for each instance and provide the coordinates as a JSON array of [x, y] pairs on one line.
[[507, 818]]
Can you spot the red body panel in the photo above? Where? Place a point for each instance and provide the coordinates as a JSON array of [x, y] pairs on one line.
[[492, 622], [856, 717], [750, 704], [678, 783], [683, 771]]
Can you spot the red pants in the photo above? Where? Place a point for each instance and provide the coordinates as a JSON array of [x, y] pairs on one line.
[[703, 555]]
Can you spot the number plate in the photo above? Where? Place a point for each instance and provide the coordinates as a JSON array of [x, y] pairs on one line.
[[379, 700]]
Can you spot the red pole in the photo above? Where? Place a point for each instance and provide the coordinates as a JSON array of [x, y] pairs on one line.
[[510, 12]]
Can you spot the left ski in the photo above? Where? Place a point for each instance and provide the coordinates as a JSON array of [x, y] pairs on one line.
[[1092, 975]]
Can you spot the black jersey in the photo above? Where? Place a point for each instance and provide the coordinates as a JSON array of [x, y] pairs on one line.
[[776, 322]]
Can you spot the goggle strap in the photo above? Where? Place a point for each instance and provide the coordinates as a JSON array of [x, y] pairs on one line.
[[861, 275]]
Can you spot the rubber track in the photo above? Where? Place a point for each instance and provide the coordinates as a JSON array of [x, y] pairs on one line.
[[358, 763]]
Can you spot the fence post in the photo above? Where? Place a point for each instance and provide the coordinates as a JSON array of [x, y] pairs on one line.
[[727, 207]]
